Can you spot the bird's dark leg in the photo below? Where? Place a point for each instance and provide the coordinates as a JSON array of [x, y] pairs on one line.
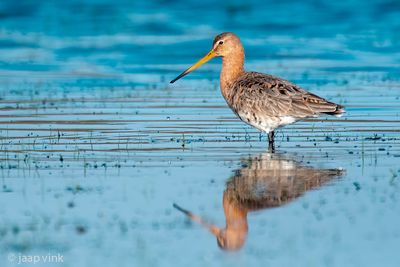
[[271, 144], [271, 136]]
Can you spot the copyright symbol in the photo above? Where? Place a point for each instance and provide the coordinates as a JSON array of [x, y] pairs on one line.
[[11, 257]]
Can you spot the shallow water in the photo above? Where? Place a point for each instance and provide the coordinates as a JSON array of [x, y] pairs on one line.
[[96, 146]]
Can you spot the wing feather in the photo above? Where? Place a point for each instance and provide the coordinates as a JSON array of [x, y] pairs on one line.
[[276, 97]]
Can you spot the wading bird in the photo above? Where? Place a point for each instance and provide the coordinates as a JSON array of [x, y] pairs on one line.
[[261, 100]]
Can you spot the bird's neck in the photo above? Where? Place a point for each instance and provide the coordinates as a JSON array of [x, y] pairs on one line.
[[235, 215], [232, 69]]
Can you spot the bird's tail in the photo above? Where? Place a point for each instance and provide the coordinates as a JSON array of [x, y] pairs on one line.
[[338, 112]]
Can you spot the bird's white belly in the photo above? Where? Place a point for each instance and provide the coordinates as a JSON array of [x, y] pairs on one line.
[[266, 123]]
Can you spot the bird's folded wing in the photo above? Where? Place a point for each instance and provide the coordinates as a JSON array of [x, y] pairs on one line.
[[277, 97]]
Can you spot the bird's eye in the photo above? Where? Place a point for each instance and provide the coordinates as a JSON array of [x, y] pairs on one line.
[[220, 42]]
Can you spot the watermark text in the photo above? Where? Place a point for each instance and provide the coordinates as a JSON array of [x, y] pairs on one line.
[[19, 258]]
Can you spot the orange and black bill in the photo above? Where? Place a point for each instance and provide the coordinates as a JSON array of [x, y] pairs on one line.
[[206, 58], [212, 228]]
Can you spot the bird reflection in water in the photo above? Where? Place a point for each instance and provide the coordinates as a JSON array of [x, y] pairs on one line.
[[264, 181]]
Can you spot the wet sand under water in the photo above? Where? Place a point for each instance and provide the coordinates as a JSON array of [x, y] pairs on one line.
[[89, 174]]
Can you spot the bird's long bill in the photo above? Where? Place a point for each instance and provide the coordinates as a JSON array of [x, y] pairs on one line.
[[206, 58], [212, 228]]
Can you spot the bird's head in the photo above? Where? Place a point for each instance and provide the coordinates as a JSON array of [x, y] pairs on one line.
[[224, 44]]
